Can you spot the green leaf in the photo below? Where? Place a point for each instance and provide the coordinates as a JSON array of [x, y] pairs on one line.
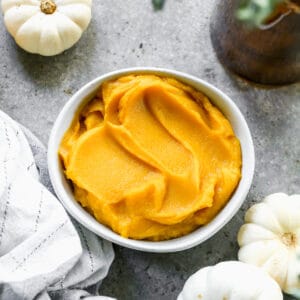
[[256, 12], [158, 4]]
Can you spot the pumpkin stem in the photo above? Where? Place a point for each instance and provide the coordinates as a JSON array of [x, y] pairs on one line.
[[289, 239], [48, 7]]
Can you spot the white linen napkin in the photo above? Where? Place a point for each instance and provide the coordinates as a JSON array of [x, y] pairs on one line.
[[43, 253]]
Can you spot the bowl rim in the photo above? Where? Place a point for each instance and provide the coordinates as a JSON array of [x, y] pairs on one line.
[[192, 239]]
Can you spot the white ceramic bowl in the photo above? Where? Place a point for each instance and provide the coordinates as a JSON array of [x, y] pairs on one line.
[[63, 190]]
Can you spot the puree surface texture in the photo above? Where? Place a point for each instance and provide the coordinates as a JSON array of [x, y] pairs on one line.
[[151, 158]]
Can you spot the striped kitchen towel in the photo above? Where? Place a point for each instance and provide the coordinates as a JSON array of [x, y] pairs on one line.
[[43, 253]]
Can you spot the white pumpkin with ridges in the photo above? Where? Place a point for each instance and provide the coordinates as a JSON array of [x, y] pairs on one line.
[[46, 27], [270, 239], [231, 280]]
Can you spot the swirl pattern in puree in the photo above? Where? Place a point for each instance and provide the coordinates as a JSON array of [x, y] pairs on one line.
[[151, 158]]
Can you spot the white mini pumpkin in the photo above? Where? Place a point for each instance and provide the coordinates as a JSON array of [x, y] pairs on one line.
[[46, 27], [231, 280], [270, 239]]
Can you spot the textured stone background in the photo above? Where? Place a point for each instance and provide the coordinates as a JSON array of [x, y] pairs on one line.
[[128, 33]]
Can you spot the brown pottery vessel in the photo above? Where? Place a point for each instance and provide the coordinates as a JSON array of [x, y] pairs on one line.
[[266, 55]]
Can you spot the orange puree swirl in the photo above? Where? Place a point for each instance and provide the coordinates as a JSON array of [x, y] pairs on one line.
[[151, 158]]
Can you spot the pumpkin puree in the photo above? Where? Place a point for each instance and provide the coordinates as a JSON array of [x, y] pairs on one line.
[[151, 157]]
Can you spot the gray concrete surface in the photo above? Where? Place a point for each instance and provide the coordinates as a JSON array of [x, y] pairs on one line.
[[33, 89]]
